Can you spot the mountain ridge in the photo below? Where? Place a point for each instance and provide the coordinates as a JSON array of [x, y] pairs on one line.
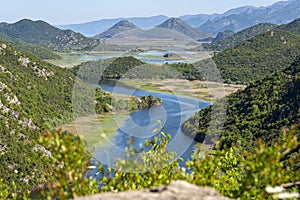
[[180, 26], [43, 34], [278, 13], [239, 36], [199, 19], [121, 26], [254, 58], [38, 51], [234, 19], [99, 26]]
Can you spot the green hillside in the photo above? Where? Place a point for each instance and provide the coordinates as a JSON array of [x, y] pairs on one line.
[[43, 34], [261, 110], [44, 90], [231, 41], [34, 95], [293, 26], [253, 59], [38, 51]]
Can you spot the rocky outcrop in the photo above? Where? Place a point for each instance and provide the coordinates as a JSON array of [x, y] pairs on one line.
[[177, 190]]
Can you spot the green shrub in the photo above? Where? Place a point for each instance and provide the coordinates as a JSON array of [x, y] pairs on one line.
[[70, 161]]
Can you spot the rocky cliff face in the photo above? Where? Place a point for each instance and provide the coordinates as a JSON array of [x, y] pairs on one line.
[[177, 190]]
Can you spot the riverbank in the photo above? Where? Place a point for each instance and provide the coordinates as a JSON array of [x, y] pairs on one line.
[[202, 90], [97, 129], [115, 128], [153, 56]]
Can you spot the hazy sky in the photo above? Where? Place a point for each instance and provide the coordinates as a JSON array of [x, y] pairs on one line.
[[75, 11]]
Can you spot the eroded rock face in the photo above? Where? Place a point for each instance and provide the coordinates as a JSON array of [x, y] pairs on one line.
[[177, 190]]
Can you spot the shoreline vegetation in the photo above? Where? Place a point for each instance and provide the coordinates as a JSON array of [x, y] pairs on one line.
[[104, 123], [109, 122], [94, 128]]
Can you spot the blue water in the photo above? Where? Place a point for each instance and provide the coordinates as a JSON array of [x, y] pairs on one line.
[[141, 56], [140, 125]]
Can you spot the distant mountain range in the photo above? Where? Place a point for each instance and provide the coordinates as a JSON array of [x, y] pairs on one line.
[[279, 13], [173, 28], [43, 34], [200, 19], [155, 33], [97, 27], [228, 41], [234, 19]]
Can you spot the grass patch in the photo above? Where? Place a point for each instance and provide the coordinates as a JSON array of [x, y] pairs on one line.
[[97, 131]]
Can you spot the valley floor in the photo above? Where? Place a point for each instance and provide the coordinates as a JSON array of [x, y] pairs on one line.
[[203, 90]]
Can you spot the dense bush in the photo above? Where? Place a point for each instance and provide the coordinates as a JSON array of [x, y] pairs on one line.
[[69, 162], [233, 172], [257, 57], [245, 175]]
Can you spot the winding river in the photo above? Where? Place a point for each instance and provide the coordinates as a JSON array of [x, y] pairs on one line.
[[140, 125]]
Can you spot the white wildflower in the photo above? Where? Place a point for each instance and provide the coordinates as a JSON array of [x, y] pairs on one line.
[[273, 190], [285, 195]]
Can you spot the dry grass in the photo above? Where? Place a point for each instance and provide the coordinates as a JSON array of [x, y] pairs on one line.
[[96, 129], [208, 91]]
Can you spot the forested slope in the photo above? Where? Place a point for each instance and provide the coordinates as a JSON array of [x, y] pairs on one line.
[[261, 110]]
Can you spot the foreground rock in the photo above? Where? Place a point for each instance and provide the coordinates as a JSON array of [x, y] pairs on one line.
[[177, 190]]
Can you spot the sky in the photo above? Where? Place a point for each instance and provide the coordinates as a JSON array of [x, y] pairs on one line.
[[78, 11]]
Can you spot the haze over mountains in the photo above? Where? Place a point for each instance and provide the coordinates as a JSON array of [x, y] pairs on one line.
[[195, 27], [200, 19], [279, 13], [235, 19], [97, 27]]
